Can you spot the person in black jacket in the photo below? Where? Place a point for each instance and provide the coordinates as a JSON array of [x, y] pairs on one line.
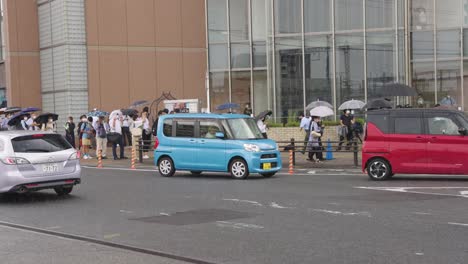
[[70, 131], [155, 124], [83, 119]]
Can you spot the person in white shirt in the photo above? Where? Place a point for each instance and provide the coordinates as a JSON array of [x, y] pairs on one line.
[[261, 123], [305, 125], [146, 135], [116, 127], [126, 131]]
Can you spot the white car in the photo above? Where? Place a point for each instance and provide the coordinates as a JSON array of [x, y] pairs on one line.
[[32, 161]]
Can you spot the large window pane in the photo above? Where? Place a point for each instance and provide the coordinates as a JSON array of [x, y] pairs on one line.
[[288, 16], [401, 13], [380, 13], [423, 45], [240, 83], [349, 67], [423, 82], [317, 15], [465, 42], [318, 68], [381, 58], [465, 85], [260, 92], [448, 13], [219, 88], [448, 44], [239, 19], [289, 84], [348, 14], [401, 56], [218, 55], [449, 81], [240, 55], [465, 17], [259, 20], [422, 14], [259, 54], [217, 21]]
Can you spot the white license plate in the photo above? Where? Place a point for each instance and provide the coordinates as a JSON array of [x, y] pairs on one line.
[[50, 168]]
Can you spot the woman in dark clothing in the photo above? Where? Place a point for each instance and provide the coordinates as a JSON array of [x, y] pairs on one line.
[[70, 131], [83, 119]]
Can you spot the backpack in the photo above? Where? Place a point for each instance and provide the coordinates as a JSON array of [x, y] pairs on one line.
[[357, 127], [101, 131]]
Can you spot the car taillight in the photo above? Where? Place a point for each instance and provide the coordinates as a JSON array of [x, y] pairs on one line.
[[37, 135], [74, 156], [14, 161], [156, 143]]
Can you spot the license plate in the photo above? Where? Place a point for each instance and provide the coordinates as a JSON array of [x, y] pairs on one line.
[[267, 166], [50, 168]]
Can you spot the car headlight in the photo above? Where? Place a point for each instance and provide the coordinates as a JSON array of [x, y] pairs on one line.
[[251, 148]]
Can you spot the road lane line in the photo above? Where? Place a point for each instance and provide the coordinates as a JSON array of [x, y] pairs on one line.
[[102, 242], [411, 190], [238, 225], [111, 236], [275, 205], [244, 201], [457, 224], [342, 213]]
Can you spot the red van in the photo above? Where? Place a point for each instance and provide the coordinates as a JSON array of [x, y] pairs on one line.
[[415, 141]]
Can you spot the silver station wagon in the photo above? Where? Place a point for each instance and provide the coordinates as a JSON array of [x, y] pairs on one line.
[[32, 161]]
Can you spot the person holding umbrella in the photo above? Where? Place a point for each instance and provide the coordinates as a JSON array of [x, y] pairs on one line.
[[50, 125], [314, 140], [346, 131]]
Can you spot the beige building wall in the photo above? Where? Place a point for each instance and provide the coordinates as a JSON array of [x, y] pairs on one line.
[[138, 49], [22, 53]]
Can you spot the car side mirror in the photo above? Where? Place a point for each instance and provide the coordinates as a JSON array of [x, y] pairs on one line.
[[220, 135], [462, 131]]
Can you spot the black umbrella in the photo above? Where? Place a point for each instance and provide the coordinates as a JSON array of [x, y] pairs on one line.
[[139, 103], [16, 119], [396, 89], [263, 114], [44, 118], [378, 104], [129, 112], [13, 109]]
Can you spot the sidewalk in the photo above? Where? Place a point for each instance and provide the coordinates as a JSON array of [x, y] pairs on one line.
[[341, 160]]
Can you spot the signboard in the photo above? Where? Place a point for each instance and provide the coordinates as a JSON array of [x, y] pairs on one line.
[[183, 105]]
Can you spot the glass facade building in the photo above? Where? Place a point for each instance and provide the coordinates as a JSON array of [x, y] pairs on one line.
[[283, 54]]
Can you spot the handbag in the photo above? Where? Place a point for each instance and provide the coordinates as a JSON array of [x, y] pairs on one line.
[[113, 137], [136, 131], [315, 134]]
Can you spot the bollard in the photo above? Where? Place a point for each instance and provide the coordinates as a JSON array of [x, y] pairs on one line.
[[293, 144], [355, 153], [329, 150], [133, 158], [140, 150], [99, 164], [291, 166]]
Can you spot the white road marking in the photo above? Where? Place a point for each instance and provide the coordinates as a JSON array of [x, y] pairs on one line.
[[419, 254], [311, 172], [464, 193], [165, 214], [457, 224], [111, 236], [244, 201], [120, 169], [275, 205], [238, 225], [421, 213], [413, 190], [126, 212], [342, 213]]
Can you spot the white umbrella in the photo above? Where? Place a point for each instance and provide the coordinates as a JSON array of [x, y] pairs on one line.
[[321, 111], [317, 103], [115, 113], [351, 104]]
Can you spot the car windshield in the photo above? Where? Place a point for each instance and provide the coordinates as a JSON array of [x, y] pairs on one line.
[[244, 128]]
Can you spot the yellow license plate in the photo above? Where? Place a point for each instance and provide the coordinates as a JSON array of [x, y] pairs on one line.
[[267, 166]]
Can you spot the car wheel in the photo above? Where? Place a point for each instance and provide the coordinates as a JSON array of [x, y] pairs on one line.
[[60, 191], [379, 170], [239, 169], [268, 175], [196, 172], [166, 167]]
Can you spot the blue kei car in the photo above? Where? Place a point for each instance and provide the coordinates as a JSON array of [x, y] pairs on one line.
[[215, 143]]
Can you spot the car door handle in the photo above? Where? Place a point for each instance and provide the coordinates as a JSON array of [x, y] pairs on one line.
[[419, 138], [202, 141], [192, 141], [433, 139]]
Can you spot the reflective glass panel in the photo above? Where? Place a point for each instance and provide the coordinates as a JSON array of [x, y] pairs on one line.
[[448, 13], [259, 20], [423, 82], [448, 44], [240, 84], [465, 12], [219, 88], [449, 82], [318, 68], [422, 14], [465, 42], [422, 45], [465, 85], [401, 56], [288, 16], [349, 67], [401, 13], [381, 58], [317, 15], [218, 55], [348, 14], [240, 55], [239, 19], [259, 54], [380, 13], [289, 83], [260, 92], [217, 20]]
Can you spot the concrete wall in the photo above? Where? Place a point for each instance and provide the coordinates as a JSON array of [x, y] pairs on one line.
[[138, 49], [286, 133]]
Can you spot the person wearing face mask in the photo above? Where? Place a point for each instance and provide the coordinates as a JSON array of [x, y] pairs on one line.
[[346, 121], [116, 127], [5, 122], [30, 122], [24, 124], [80, 133], [70, 131], [50, 125]]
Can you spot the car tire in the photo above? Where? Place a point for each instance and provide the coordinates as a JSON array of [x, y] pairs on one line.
[[239, 169], [196, 172], [268, 175], [166, 167], [61, 191], [379, 170]]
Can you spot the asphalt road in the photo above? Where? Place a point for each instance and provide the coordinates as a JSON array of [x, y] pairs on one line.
[[121, 216]]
